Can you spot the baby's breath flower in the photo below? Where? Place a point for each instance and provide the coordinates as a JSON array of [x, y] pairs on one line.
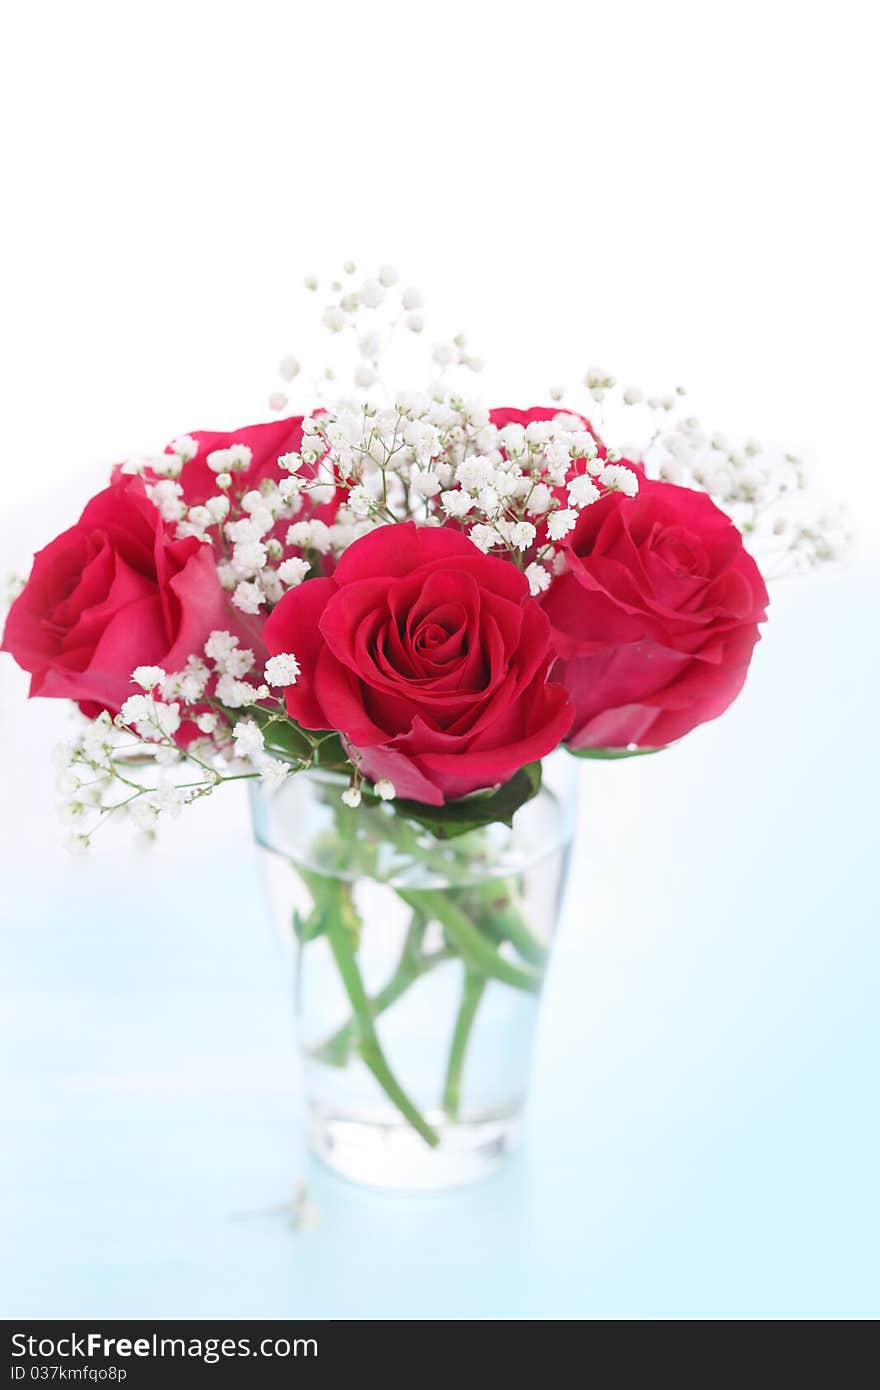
[[273, 773], [170, 799], [248, 596], [97, 737], [143, 813], [559, 523], [582, 491], [135, 710], [282, 670], [538, 577], [185, 447], [166, 718], [290, 489], [360, 501], [619, 478], [166, 496], [148, 677], [371, 294], [247, 738], [352, 797], [425, 484], [456, 503], [292, 572], [68, 781], [234, 693], [220, 645], [540, 500], [485, 538], [522, 534], [249, 557], [188, 684], [365, 376]]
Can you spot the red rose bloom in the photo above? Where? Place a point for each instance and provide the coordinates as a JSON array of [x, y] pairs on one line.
[[430, 658], [114, 592], [509, 415], [267, 443], [656, 619]]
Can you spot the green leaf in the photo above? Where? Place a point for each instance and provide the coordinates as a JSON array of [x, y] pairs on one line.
[[285, 741], [331, 902], [607, 754], [472, 812], [330, 753], [307, 928]]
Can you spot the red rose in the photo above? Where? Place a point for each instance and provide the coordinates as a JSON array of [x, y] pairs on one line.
[[509, 415], [114, 592], [429, 657], [267, 443], [656, 619]]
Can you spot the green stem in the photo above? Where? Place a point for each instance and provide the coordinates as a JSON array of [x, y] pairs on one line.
[[475, 949], [472, 993], [335, 1050], [496, 898], [342, 943], [497, 902]]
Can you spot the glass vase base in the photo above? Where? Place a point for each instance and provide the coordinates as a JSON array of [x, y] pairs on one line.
[[392, 1157]]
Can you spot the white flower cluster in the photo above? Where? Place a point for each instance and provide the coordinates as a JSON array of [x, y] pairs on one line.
[[764, 491], [103, 771], [439, 458], [366, 317], [436, 457], [757, 487], [262, 548], [106, 769]]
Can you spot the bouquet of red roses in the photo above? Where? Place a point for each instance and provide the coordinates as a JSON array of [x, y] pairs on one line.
[[436, 596], [422, 597]]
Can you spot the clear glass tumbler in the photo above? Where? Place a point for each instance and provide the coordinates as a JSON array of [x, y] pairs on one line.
[[419, 965]]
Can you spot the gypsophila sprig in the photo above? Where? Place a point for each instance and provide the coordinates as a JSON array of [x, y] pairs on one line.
[[282, 669], [257, 520]]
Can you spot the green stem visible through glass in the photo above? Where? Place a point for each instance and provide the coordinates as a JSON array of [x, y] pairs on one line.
[[480, 921], [342, 942], [336, 1050], [476, 950], [472, 993]]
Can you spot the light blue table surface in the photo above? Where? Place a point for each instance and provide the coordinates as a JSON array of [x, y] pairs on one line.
[[703, 1138]]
